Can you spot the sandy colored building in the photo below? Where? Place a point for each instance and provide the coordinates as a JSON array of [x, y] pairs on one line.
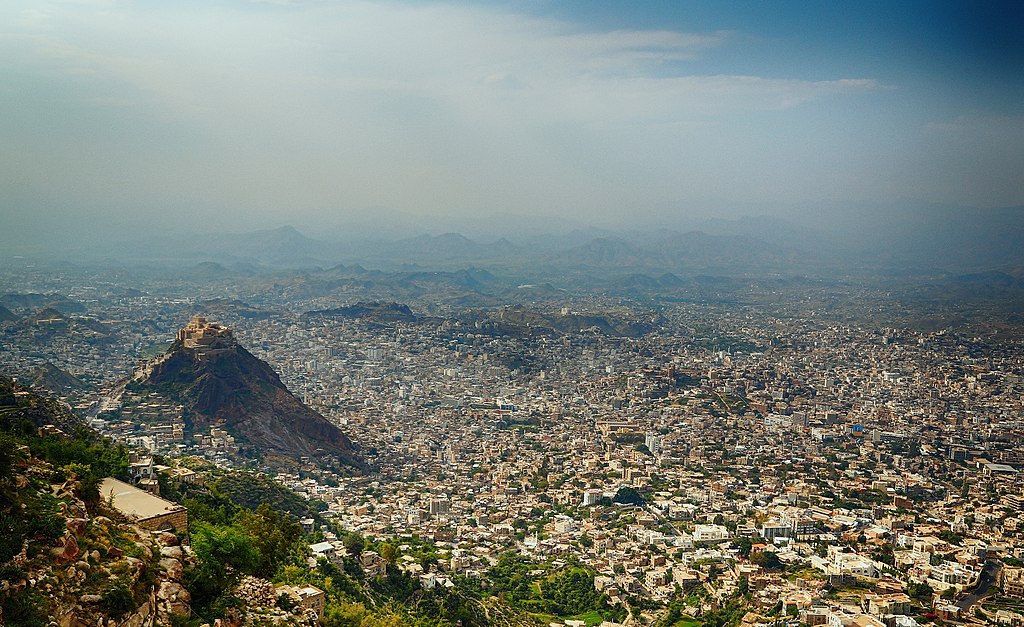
[[144, 509]]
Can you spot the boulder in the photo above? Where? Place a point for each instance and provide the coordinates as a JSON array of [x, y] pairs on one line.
[[114, 553], [90, 598], [77, 526], [68, 550], [172, 566], [136, 565], [171, 591], [167, 538], [171, 551], [179, 607], [136, 620]]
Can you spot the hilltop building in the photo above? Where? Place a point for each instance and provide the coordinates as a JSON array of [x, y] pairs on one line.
[[206, 337], [144, 509]]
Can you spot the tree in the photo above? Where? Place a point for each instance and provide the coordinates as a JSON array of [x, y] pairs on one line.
[[354, 544], [388, 552], [628, 495], [920, 591], [768, 561], [272, 535], [743, 586], [223, 554], [571, 591], [88, 484], [8, 457], [744, 544]]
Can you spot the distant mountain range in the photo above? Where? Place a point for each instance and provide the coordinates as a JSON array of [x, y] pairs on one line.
[[886, 241]]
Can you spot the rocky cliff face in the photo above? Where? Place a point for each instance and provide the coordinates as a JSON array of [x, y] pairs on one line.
[[222, 384], [84, 568]]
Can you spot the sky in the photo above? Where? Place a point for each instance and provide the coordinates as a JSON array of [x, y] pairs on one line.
[[234, 114]]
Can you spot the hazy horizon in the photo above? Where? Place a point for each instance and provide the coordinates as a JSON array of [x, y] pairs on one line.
[[405, 116]]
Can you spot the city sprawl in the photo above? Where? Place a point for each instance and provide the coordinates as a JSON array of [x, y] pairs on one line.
[[871, 469]]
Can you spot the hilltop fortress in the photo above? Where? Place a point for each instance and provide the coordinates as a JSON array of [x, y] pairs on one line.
[[206, 338]]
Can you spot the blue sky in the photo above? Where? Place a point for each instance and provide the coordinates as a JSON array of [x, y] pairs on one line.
[[254, 114]]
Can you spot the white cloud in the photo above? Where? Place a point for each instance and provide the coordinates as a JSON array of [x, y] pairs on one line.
[[360, 104]]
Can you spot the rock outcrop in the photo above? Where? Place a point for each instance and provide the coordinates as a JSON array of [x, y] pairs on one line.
[[99, 571]]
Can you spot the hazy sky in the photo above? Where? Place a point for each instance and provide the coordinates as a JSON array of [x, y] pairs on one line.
[[310, 113]]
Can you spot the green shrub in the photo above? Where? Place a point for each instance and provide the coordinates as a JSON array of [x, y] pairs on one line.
[[118, 601], [25, 608]]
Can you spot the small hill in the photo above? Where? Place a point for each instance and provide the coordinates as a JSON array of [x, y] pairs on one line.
[[6, 315], [19, 405], [524, 322], [380, 312], [225, 306], [221, 384], [54, 380], [50, 323], [47, 315], [28, 302]]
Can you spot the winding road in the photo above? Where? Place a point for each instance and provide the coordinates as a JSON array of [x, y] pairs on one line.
[[989, 575]]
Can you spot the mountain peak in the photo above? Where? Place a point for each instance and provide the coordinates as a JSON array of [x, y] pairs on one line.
[[221, 384]]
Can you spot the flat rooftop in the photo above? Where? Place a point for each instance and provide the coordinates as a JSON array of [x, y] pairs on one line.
[[135, 502]]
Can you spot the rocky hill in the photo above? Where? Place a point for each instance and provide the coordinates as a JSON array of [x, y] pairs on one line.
[[53, 379], [23, 409], [376, 311], [221, 384]]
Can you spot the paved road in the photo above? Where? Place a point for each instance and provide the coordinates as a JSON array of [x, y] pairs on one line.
[[989, 575]]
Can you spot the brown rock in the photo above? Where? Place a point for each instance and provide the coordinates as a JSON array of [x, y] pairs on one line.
[[140, 616], [135, 564], [82, 565], [113, 552], [179, 607], [167, 539], [170, 591], [90, 598], [69, 550], [77, 526], [95, 555], [171, 551], [172, 566]]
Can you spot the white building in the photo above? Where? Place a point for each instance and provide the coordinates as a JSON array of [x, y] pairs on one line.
[[710, 533]]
